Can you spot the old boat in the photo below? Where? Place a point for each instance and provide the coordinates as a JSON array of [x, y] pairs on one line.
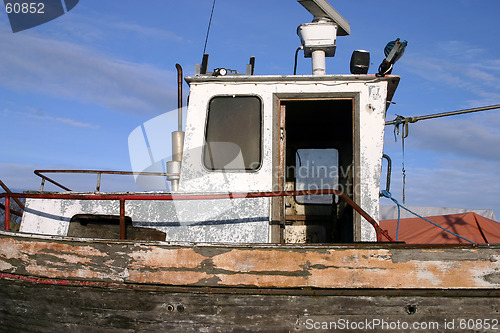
[[268, 226]]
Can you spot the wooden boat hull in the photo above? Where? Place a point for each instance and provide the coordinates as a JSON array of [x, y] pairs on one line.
[[33, 306], [53, 283]]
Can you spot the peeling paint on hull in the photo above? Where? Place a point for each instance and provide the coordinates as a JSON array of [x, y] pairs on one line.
[[261, 266], [53, 283]]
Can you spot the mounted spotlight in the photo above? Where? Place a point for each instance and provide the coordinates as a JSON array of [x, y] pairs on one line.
[[219, 72], [393, 51], [360, 62]]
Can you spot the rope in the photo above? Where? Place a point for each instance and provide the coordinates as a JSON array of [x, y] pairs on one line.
[[400, 120], [403, 170], [388, 195], [208, 30]]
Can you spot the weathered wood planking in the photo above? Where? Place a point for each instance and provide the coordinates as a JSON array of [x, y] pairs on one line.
[[383, 266], [37, 307]]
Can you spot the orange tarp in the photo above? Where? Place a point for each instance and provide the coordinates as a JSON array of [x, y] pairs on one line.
[[469, 225]]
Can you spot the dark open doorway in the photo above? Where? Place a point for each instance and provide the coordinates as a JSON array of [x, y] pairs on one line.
[[318, 149]]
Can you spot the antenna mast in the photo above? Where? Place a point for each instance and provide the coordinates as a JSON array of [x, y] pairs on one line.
[[318, 38]]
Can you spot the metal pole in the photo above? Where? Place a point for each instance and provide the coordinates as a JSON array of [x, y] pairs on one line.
[[318, 62], [179, 96], [7, 190], [98, 187], [38, 173], [389, 171], [445, 114], [7, 213], [123, 227]]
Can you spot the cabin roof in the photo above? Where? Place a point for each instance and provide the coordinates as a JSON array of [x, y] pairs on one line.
[[393, 80]]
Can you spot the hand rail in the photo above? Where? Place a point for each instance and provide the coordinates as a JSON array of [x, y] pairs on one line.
[[12, 211], [40, 174], [7, 208], [389, 168], [240, 195], [6, 189]]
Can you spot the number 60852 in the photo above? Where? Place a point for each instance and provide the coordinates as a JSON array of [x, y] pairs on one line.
[[25, 8]]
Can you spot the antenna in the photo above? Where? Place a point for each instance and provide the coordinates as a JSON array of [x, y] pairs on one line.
[[322, 9], [318, 38]]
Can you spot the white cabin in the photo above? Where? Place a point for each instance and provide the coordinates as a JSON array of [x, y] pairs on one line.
[[256, 133], [247, 133]]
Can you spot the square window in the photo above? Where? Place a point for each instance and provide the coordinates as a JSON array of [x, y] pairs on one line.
[[316, 169], [233, 133]]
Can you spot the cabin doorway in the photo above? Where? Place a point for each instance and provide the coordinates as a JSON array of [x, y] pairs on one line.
[[316, 152]]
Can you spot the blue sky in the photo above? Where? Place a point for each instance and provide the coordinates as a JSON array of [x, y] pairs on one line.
[[72, 90]]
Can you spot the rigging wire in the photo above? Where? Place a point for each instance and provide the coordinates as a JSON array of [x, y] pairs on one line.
[[439, 115], [208, 30], [400, 120], [403, 170], [388, 195]]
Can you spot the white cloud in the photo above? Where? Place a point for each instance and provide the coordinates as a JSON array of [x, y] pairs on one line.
[[490, 65], [450, 162], [459, 66], [449, 187], [468, 138], [67, 70], [42, 115], [153, 33], [38, 114], [469, 77], [19, 177], [459, 49], [89, 26]]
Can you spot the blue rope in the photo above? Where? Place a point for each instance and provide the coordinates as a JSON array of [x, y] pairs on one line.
[[388, 195], [397, 227], [398, 121]]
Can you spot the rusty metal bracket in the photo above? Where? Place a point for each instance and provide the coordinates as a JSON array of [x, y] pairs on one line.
[[389, 171]]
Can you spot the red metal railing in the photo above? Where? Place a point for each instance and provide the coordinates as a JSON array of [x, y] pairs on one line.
[[7, 208], [6, 189], [124, 197], [99, 173]]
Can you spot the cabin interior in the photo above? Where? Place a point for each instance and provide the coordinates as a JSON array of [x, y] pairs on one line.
[[318, 155]]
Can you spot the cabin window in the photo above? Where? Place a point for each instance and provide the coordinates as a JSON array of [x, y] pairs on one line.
[[233, 134], [317, 169]]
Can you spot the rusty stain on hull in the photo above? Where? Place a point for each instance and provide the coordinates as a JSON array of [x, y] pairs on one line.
[[262, 266]]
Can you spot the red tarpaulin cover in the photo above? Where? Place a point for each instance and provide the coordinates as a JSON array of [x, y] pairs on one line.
[[469, 225]]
